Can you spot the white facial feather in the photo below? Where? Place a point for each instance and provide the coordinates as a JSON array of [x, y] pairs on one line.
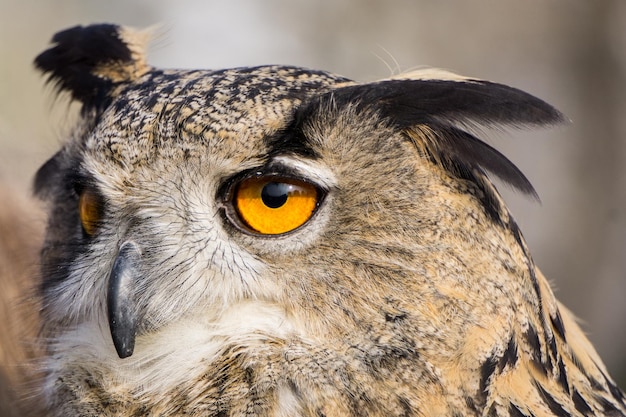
[[174, 354]]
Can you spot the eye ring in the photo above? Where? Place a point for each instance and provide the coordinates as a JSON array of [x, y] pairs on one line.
[[271, 205]]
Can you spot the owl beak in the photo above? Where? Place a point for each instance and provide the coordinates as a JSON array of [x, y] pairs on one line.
[[121, 303]]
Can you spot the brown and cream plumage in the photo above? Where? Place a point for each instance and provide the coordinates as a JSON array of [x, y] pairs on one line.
[[281, 241]]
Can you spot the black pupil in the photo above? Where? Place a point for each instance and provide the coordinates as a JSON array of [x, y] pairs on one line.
[[275, 194]]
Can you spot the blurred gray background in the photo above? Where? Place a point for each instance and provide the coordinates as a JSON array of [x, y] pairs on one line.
[[572, 53]]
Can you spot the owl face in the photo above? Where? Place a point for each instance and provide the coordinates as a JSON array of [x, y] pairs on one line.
[[278, 236], [237, 185]]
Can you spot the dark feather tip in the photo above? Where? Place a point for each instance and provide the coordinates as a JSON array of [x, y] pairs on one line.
[[79, 52]]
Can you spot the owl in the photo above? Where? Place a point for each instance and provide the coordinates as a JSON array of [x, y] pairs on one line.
[[280, 241]]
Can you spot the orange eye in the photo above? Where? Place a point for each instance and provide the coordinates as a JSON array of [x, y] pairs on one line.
[[274, 205], [90, 211]]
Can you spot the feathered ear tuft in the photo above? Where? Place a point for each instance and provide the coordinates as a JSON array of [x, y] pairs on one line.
[[449, 105], [90, 61], [465, 101]]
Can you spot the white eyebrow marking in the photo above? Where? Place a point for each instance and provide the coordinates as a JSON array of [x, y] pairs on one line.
[[312, 170]]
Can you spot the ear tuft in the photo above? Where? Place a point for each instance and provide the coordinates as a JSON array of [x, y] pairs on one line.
[[451, 106], [89, 61]]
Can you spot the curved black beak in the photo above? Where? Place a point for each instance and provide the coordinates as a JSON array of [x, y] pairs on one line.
[[121, 305]]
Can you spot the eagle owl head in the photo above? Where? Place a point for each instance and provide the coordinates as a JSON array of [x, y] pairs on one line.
[[281, 241]]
